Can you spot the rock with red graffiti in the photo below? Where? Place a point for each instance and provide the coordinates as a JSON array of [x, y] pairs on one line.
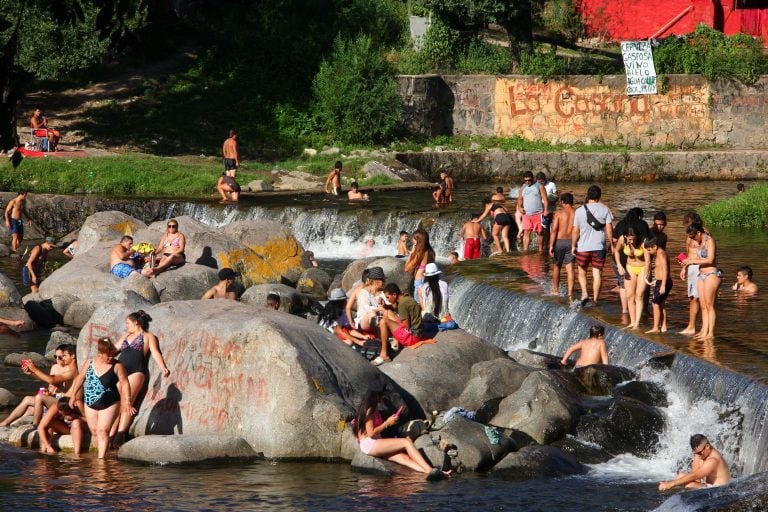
[[282, 383]]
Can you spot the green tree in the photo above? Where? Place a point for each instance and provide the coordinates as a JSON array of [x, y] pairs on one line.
[[355, 93], [514, 16]]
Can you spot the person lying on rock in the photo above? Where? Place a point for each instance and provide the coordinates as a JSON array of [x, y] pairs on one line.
[[368, 426], [61, 419], [402, 320], [708, 468], [122, 259], [226, 288], [593, 349]]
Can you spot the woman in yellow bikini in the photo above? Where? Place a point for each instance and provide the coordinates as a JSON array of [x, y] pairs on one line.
[[635, 273]]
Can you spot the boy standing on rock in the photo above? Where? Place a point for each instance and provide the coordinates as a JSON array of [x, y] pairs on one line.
[[334, 180]]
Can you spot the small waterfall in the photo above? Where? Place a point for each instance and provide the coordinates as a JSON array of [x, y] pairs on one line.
[[704, 398], [341, 234]]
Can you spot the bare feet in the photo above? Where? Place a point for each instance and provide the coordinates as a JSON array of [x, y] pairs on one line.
[[652, 331], [688, 331]]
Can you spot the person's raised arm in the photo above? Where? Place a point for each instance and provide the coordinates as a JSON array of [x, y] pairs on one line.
[[157, 355], [573, 348], [69, 373], [485, 213], [372, 431]]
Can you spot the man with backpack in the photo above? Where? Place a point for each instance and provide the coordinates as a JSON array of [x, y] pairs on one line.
[[591, 238]]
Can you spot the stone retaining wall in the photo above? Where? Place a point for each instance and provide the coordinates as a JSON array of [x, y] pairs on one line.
[[689, 112], [570, 166]]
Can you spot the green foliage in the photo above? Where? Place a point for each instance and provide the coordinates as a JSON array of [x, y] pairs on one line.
[[561, 17], [442, 45], [480, 57], [385, 21], [749, 209], [408, 61], [355, 93], [712, 54], [544, 64]]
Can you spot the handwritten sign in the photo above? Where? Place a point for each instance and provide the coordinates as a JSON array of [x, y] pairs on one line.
[[638, 63]]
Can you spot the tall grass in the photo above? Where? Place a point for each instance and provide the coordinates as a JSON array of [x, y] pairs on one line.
[[749, 209]]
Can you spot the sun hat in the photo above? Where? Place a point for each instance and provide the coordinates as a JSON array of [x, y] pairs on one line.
[[227, 273], [337, 294], [431, 270], [376, 273]]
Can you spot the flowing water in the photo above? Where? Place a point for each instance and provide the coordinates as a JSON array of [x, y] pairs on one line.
[[501, 299]]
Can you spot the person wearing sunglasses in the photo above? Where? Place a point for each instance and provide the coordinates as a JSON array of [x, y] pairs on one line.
[[170, 249], [708, 468], [59, 382]]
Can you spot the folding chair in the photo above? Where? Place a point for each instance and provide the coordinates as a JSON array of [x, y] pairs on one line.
[[40, 139]]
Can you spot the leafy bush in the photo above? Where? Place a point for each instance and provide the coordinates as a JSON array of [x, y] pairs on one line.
[[442, 45], [560, 17], [355, 92], [712, 54], [480, 57], [543, 64], [408, 61], [749, 209]]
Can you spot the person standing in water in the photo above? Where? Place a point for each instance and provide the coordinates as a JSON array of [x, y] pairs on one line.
[[662, 284], [15, 211], [532, 201], [472, 233], [591, 239], [709, 277], [560, 244], [333, 181]]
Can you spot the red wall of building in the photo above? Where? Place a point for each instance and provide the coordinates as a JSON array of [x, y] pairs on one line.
[[622, 20]]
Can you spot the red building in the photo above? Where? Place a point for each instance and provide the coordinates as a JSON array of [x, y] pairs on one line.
[[621, 20]]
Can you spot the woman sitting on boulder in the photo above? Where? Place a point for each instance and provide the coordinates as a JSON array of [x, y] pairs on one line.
[[170, 250], [433, 297], [368, 300], [105, 385], [421, 254], [135, 347], [368, 426], [335, 319]]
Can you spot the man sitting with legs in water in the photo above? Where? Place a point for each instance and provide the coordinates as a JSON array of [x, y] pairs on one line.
[[708, 468]]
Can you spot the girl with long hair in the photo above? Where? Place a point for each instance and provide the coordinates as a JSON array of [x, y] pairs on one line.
[[421, 255]]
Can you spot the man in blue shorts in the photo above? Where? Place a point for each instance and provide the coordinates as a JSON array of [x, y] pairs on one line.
[[14, 213], [121, 261]]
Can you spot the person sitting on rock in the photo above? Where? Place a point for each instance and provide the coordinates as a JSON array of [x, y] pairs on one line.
[[369, 301], [226, 288], [354, 193], [433, 297], [593, 349], [32, 270], [61, 419], [708, 468], [122, 259], [59, 381], [402, 320], [352, 297], [170, 249], [228, 188], [368, 426], [334, 319]]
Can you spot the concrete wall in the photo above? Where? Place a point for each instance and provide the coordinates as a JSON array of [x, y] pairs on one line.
[[689, 112]]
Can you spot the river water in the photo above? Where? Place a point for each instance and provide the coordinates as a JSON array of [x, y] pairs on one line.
[[336, 231]]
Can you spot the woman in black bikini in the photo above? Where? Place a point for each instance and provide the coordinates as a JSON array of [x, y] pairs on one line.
[[105, 385], [501, 223], [135, 346]]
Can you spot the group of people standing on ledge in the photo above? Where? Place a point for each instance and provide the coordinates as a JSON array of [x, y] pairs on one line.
[[582, 239]]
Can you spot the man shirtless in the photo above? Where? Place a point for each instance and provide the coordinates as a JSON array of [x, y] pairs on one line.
[[708, 468], [560, 243], [59, 381], [354, 193], [14, 211], [593, 349], [228, 189], [231, 156], [30, 273], [121, 258], [334, 179], [225, 289], [472, 232], [448, 186], [38, 121]]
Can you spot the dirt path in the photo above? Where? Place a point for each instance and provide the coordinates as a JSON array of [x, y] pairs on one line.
[[65, 109]]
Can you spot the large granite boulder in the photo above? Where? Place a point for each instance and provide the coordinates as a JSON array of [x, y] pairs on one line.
[[601, 379], [492, 380], [9, 294], [392, 169], [435, 375], [363, 463], [7, 399], [282, 383], [105, 226], [186, 449], [58, 338], [627, 426], [188, 282], [649, 393], [474, 449], [394, 270], [314, 283], [539, 462], [290, 300], [546, 407], [535, 359]]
